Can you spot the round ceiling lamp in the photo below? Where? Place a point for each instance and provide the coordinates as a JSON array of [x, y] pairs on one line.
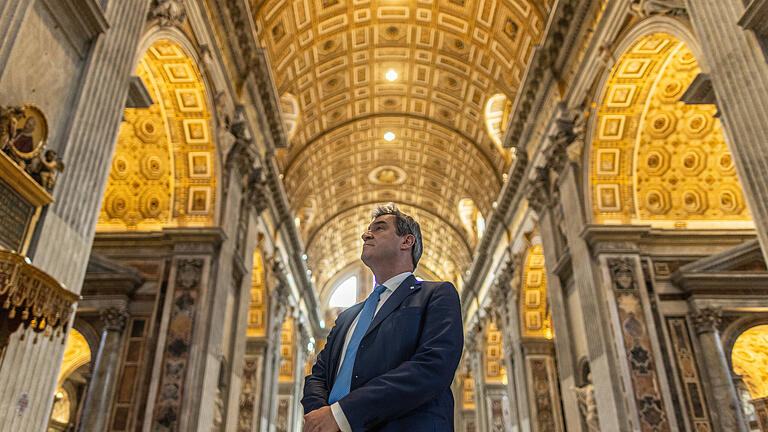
[[391, 75], [389, 136]]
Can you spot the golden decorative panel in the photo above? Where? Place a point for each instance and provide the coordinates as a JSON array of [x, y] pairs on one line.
[[257, 311], [536, 322], [163, 169], [423, 71], [286, 351], [654, 159], [468, 392], [494, 353], [750, 360]]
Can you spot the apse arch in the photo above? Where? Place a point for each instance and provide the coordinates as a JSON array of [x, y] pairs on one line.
[[653, 160], [165, 167]]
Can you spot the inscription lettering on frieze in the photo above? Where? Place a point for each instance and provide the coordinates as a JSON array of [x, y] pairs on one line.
[[15, 216]]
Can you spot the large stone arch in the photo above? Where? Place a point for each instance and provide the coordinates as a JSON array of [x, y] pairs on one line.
[[654, 160], [165, 168]]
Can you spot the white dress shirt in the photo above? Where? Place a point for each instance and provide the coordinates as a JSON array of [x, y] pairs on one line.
[[391, 284]]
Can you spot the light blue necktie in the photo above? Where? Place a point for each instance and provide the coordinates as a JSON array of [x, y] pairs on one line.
[[344, 378]]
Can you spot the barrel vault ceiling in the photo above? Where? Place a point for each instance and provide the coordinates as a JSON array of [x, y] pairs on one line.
[[330, 60]]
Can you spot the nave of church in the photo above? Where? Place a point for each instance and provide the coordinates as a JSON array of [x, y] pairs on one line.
[[184, 185]]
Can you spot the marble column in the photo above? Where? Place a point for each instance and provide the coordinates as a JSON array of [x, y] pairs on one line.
[[545, 204], [726, 413], [474, 345], [504, 299], [30, 370], [103, 382], [603, 358], [737, 66], [278, 309]]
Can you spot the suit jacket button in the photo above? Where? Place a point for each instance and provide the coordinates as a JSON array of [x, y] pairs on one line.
[[357, 376]]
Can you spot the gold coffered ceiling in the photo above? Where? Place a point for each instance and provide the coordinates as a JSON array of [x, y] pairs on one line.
[[450, 57]]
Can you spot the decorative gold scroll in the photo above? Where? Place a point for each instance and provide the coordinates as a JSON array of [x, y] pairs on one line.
[[31, 297]]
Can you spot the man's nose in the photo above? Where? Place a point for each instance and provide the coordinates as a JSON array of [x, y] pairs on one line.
[[367, 235]]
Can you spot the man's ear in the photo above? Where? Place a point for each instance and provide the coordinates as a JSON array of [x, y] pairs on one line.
[[408, 241]]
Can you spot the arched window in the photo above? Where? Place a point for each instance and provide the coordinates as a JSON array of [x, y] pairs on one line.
[[345, 295]]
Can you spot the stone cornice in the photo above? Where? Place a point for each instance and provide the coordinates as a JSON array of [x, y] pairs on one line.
[[253, 62], [495, 226], [283, 214], [645, 235], [546, 64]]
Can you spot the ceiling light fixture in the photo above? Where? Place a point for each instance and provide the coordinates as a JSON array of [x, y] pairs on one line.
[[391, 75], [389, 136]]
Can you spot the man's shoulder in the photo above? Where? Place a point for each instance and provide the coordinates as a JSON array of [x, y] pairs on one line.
[[436, 285]]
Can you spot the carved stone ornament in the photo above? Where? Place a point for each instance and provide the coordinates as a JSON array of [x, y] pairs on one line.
[[646, 8], [188, 273], [23, 136], [622, 274], [576, 147], [114, 319], [707, 319], [168, 12], [588, 406], [538, 193], [256, 190]]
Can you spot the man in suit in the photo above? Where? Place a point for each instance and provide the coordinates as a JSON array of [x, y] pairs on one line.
[[388, 362]]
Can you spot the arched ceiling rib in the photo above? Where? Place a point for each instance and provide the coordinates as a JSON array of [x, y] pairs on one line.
[[450, 56], [490, 156]]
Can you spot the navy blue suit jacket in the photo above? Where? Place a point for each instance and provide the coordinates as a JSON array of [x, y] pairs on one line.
[[405, 363]]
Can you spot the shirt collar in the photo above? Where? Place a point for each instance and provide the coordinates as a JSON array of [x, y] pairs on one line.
[[395, 281]]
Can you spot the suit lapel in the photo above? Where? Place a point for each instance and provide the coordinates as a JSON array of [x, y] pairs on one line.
[[409, 286]]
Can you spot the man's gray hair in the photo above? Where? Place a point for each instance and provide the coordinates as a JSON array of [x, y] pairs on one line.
[[404, 224]]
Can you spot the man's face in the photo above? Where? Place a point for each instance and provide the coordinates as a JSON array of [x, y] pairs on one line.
[[381, 242]]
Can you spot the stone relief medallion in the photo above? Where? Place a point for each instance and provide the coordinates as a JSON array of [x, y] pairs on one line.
[[387, 175], [30, 134]]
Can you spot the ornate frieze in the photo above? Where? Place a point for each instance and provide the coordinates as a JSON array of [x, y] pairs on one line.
[[637, 345], [182, 321]]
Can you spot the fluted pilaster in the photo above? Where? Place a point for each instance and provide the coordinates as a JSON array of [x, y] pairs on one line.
[[739, 73]]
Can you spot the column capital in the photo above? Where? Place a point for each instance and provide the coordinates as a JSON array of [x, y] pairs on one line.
[[707, 319], [114, 319]]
